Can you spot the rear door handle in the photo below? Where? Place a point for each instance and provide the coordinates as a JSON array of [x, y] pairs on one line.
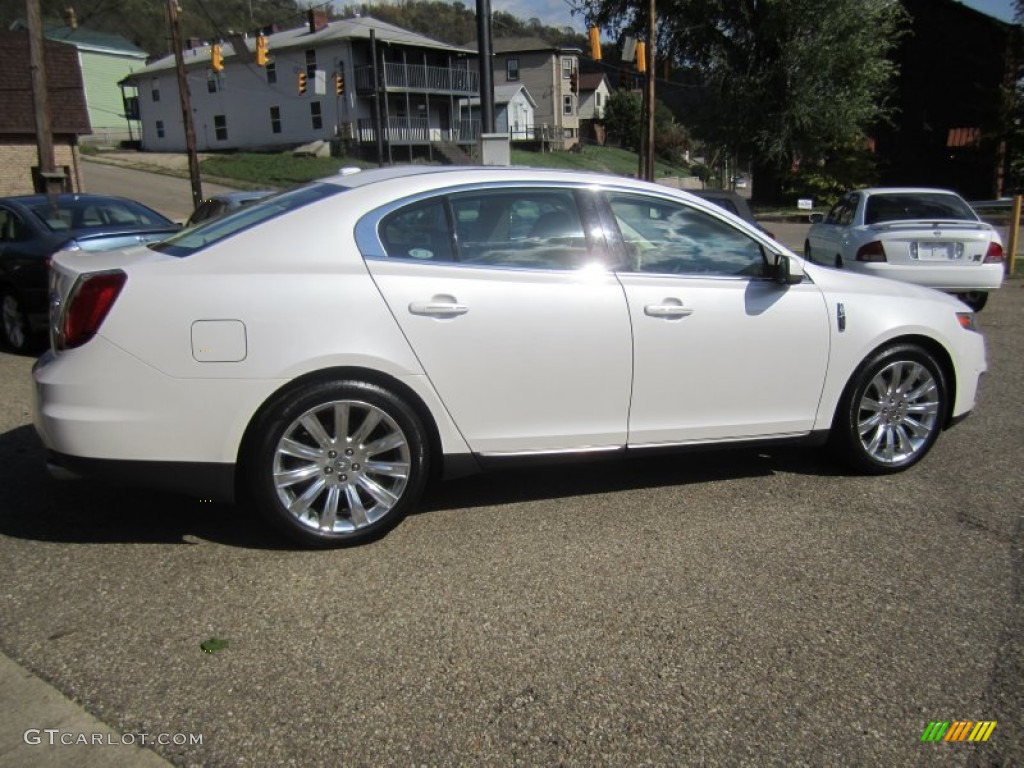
[[670, 310], [438, 307]]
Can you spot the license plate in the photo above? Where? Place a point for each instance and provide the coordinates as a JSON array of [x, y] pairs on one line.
[[932, 251]]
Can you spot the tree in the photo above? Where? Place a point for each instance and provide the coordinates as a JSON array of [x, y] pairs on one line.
[[783, 80], [622, 118]]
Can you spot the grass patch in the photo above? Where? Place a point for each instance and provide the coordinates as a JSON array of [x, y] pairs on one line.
[[276, 170], [621, 162]]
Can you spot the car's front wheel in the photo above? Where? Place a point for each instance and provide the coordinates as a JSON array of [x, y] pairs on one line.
[[807, 251], [892, 410], [976, 300], [338, 463]]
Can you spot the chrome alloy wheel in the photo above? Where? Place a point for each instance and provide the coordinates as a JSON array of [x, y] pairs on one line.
[[341, 466], [898, 412]]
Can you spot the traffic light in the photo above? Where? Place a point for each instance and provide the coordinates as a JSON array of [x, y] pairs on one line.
[[574, 82], [595, 43], [216, 58], [302, 83], [339, 83], [641, 56], [261, 50]]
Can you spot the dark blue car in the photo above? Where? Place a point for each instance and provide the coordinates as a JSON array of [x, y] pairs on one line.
[[34, 227]]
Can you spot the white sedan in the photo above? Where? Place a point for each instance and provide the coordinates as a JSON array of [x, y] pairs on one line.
[[926, 236], [326, 351]]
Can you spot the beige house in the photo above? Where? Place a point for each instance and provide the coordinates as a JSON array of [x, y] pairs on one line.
[[550, 73]]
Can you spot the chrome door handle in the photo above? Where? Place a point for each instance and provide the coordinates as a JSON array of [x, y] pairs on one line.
[[438, 308], [667, 310]]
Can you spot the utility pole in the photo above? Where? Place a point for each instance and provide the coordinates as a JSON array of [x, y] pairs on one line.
[[52, 180], [483, 36], [649, 94], [186, 105]]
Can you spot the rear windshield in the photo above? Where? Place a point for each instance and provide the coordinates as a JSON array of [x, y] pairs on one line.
[[104, 213], [910, 206], [194, 239]]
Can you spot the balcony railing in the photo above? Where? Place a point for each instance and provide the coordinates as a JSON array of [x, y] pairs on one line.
[[420, 79], [417, 130]]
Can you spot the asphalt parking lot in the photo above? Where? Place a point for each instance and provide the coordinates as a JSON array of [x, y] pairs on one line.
[[733, 608]]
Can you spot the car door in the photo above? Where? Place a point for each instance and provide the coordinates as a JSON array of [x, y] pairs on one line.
[[829, 239], [721, 351], [505, 297]]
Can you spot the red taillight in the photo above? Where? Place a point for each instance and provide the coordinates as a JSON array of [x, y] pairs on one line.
[[994, 254], [873, 251], [88, 304]]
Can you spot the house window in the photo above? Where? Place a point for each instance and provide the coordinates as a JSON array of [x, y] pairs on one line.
[[311, 63], [212, 82], [159, 129], [567, 105], [315, 116], [275, 119], [511, 69], [567, 68], [220, 127], [155, 89], [271, 73]]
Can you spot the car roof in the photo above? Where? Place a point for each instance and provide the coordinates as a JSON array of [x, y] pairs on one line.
[[240, 196], [65, 197], [456, 174], [905, 191]]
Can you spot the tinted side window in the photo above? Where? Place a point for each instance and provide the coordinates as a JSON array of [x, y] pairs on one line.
[[666, 237], [528, 228], [848, 211]]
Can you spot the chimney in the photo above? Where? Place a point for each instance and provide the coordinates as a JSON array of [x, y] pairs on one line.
[[317, 19], [70, 19]]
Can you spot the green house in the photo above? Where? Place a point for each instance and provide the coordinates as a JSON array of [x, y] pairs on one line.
[[105, 59]]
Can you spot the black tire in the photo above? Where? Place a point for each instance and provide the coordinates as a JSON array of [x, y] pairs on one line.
[[343, 488], [892, 410], [976, 300], [14, 327], [807, 251], [839, 261]]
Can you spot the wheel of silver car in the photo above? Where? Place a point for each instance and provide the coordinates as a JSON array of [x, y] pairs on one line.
[[339, 462], [15, 324], [892, 410], [976, 300]]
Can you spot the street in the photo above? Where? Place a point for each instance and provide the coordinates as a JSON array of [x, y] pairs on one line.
[[739, 607]]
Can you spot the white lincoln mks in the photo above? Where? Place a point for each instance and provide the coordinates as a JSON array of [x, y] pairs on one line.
[[326, 351]]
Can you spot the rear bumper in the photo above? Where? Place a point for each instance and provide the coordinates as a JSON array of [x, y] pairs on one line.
[[959, 278], [209, 482]]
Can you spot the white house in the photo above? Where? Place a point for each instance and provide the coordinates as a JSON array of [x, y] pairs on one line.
[[513, 111], [247, 106]]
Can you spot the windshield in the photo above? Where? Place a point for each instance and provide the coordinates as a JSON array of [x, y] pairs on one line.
[[197, 238], [920, 205], [96, 213]]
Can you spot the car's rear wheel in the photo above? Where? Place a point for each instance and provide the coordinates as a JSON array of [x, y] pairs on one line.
[[839, 261], [807, 251], [976, 300], [338, 463], [892, 410], [15, 322]]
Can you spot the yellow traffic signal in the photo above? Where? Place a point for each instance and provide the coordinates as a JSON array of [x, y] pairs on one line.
[[261, 50], [339, 83], [216, 59], [641, 56], [595, 43], [302, 83]]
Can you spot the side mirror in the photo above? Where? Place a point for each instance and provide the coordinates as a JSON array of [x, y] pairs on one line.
[[816, 218], [785, 271]]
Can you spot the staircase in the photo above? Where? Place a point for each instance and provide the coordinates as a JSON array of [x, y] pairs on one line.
[[452, 154]]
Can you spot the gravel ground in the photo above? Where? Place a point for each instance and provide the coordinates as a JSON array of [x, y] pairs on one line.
[[734, 608]]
